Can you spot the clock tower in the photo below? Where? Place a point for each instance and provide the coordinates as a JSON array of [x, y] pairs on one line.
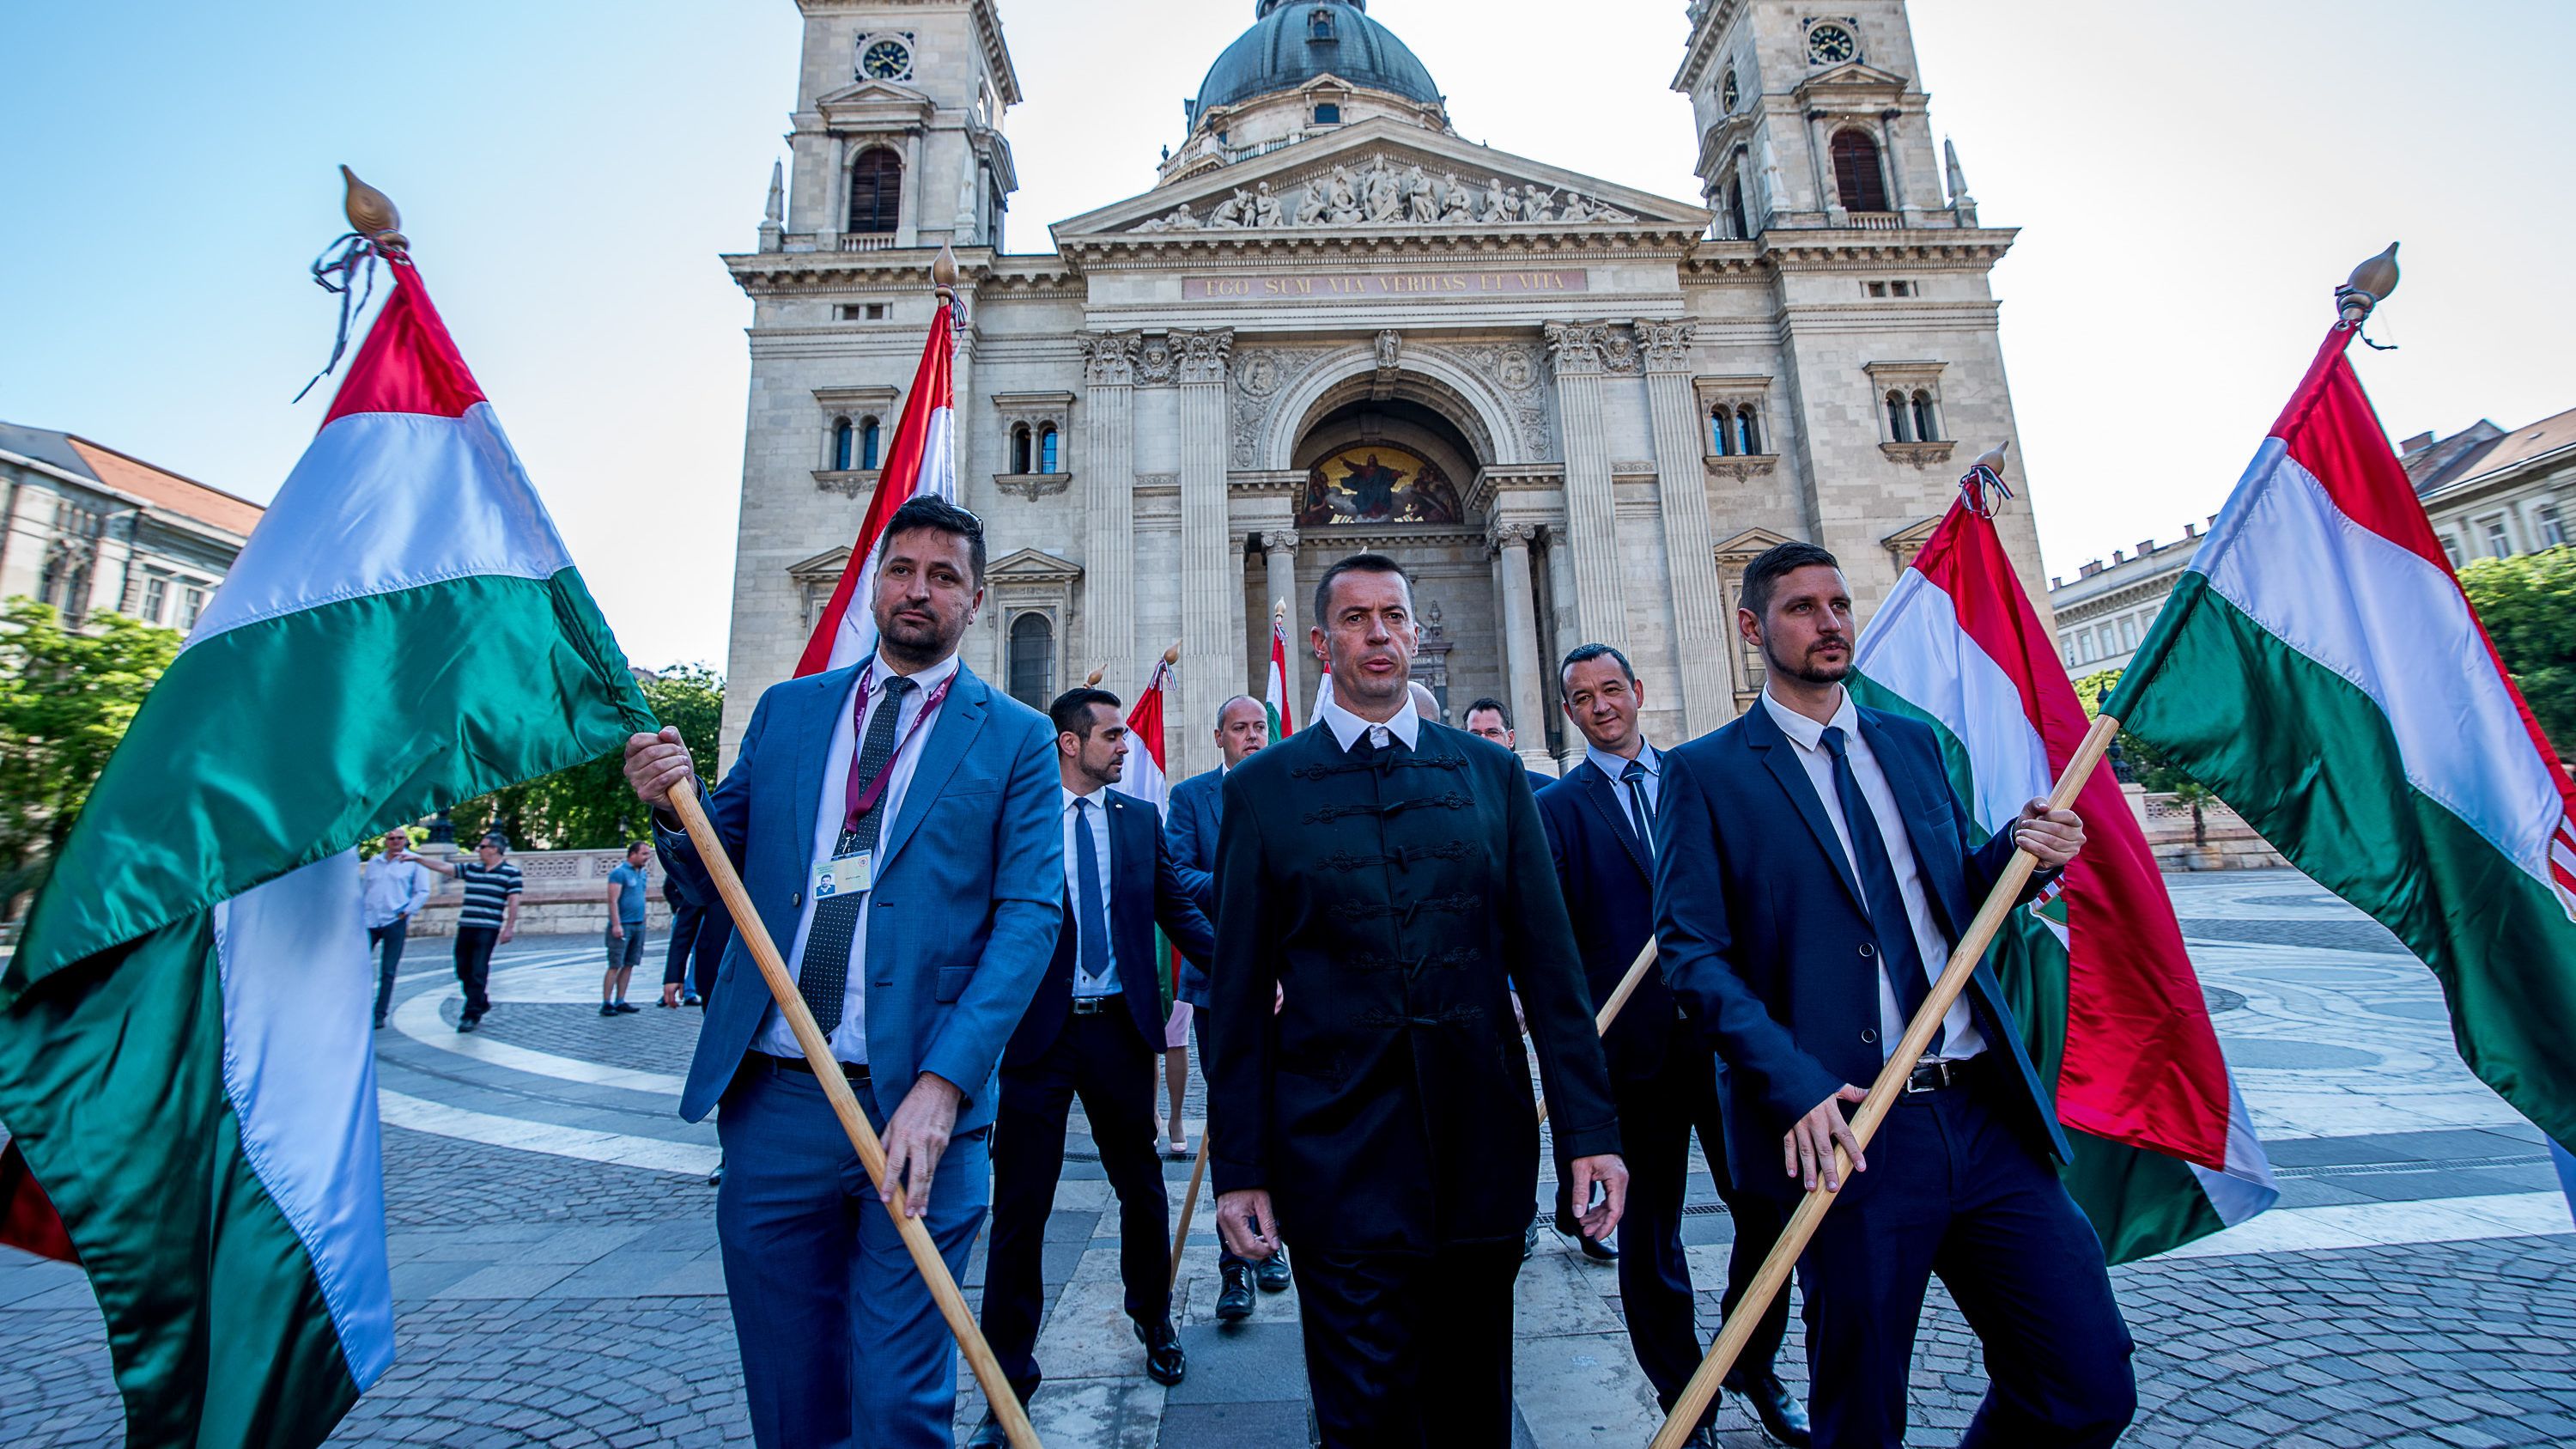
[[898, 127]]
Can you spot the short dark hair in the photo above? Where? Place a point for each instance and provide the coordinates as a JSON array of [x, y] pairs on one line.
[[942, 516], [1071, 712], [495, 839], [1358, 563], [1586, 653], [1773, 563], [1491, 703], [1234, 699], [633, 846]]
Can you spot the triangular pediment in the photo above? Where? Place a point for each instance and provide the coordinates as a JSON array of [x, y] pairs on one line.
[[1849, 79], [1032, 566], [1385, 176], [1749, 545], [875, 103], [828, 564]]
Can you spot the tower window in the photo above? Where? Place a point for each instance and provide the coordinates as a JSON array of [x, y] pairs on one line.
[[1926, 427], [868, 435], [1327, 113], [1899, 420], [1020, 448], [1032, 660], [1735, 207], [876, 191], [1721, 432], [1862, 186], [1050, 454], [1748, 430], [843, 438], [1319, 24]]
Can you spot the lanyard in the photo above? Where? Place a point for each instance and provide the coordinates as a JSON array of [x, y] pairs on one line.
[[858, 798]]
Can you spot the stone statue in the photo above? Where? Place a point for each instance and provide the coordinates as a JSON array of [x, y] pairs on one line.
[[1538, 203], [1304, 206], [1771, 193], [1421, 198], [1342, 207], [1181, 219], [1576, 208], [1265, 207], [1457, 203], [1384, 201], [1387, 348], [1498, 201], [1232, 211]]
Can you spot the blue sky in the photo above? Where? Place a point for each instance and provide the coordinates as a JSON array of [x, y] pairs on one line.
[[2191, 178]]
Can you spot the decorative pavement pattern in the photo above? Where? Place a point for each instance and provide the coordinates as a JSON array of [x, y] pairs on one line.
[[557, 1281]]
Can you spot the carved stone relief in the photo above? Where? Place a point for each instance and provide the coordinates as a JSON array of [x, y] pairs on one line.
[[1514, 368], [1261, 374], [1380, 190]]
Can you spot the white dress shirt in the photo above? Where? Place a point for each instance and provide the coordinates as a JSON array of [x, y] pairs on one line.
[[1348, 727], [850, 1039], [1959, 1038], [391, 890], [1106, 983], [1617, 769]]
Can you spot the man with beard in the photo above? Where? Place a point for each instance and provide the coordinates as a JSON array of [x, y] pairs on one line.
[[1811, 874], [1392, 874], [896, 823]]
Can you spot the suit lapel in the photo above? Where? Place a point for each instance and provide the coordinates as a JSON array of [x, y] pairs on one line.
[[1762, 734], [1602, 794], [961, 719], [1915, 805], [821, 713]]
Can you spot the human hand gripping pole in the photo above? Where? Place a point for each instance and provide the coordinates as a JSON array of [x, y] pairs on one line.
[[1774, 1275], [682, 797]]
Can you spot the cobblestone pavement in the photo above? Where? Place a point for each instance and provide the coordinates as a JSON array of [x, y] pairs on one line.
[[557, 1283]]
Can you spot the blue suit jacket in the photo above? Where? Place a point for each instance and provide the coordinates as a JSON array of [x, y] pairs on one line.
[[1609, 883], [1144, 890], [969, 886], [1766, 943], [1198, 809]]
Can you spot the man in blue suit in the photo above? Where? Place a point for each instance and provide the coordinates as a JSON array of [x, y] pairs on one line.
[[895, 823], [1601, 828], [1487, 719], [1093, 1031], [1198, 809], [1811, 874]]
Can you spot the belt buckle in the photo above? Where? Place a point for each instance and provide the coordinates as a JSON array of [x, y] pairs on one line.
[[1927, 1077]]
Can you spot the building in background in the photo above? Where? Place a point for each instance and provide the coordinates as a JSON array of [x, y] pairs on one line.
[[2105, 611], [2493, 493], [1574, 410], [86, 528]]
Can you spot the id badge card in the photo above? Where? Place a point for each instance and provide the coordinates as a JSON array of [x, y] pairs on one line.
[[844, 874]]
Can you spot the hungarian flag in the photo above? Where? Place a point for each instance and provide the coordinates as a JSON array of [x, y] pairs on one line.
[[2319, 668], [1146, 779], [2109, 1007], [1274, 689], [185, 1053], [921, 459]]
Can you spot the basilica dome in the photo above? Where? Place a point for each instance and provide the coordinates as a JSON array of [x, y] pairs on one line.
[[1292, 42]]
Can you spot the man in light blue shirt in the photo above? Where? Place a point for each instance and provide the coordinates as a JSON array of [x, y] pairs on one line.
[[627, 884], [391, 888]]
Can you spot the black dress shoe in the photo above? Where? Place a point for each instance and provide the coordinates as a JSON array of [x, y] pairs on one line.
[[988, 1435], [1597, 1252], [1234, 1301], [1703, 1437], [1783, 1418], [1272, 1272], [1164, 1363]]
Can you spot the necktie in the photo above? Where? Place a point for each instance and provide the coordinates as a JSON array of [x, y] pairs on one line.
[[1641, 814], [823, 977], [1092, 929], [1896, 950]]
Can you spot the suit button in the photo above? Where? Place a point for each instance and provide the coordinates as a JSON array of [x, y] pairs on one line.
[[1869, 1033], [797, 901], [1867, 950]]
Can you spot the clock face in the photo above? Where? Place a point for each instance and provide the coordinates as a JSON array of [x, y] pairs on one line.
[[885, 60], [1831, 45], [1727, 93]]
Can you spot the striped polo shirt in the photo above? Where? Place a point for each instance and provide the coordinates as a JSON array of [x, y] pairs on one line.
[[486, 891]]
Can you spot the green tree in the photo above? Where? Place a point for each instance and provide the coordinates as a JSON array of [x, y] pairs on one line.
[[66, 696], [2144, 763], [588, 807], [2529, 605]]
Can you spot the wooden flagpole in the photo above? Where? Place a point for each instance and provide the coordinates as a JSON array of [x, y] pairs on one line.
[[1619, 998], [836, 1089], [1774, 1276], [1189, 1203]]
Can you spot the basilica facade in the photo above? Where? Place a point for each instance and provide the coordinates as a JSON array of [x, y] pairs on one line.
[[1572, 409]]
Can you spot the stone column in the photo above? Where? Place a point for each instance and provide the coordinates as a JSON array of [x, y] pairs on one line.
[[1681, 478], [1211, 570], [1108, 509], [1279, 556], [1591, 509], [1520, 642], [1560, 587]]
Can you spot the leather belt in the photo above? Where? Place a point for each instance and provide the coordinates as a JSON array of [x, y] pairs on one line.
[[1095, 1005], [855, 1071], [1934, 1076]]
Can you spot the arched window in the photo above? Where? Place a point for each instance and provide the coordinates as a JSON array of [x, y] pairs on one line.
[[1897, 429], [1735, 208], [1033, 660], [1856, 174], [868, 440], [1319, 24], [1748, 430], [876, 191], [1926, 427], [842, 438], [1020, 448], [1721, 433], [1050, 455]]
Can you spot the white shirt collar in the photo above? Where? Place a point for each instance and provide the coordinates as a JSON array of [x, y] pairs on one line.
[[1614, 767], [1348, 727], [1806, 733], [1071, 795], [926, 679]]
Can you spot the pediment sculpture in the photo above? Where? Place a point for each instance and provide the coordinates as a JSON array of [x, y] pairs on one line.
[[1379, 192]]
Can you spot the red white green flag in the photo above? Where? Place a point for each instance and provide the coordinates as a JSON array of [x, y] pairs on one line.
[[2320, 669], [1147, 780], [2109, 1006], [1274, 690]]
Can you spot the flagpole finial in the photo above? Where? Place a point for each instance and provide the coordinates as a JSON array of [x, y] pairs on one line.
[[1992, 459], [1279, 611], [1091, 680], [1173, 654], [2367, 287], [371, 214], [1983, 483], [943, 269]]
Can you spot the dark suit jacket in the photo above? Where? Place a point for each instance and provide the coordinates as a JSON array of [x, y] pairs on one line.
[[1388, 1104], [1609, 883], [1144, 890], [1190, 831], [1767, 945]]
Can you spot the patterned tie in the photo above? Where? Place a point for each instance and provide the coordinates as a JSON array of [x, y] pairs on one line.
[[823, 977], [1642, 815], [1091, 951], [1897, 952]]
